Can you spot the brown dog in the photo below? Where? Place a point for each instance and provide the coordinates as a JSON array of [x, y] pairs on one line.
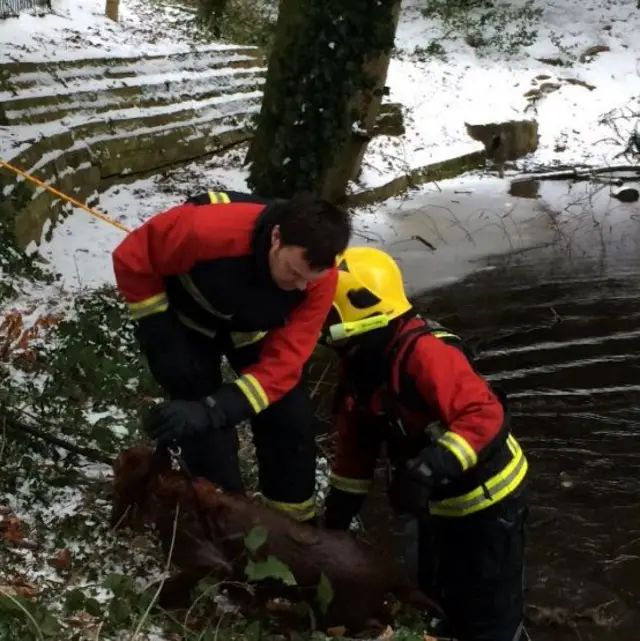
[[146, 489]]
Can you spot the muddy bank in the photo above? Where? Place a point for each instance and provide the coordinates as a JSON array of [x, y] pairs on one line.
[[558, 327]]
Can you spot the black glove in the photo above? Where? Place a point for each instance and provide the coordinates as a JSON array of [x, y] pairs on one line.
[[435, 465], [406, 494], [179, 419]]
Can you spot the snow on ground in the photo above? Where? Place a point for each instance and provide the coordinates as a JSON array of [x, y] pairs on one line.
[[441, 95], [79, 29]]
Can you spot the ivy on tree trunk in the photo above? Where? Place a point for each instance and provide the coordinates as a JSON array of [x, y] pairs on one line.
[[325, 82]]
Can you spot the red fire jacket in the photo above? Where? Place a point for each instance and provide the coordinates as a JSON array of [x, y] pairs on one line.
[[209, 264], [433, 381]]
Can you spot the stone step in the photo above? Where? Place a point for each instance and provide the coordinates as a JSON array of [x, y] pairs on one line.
[[147, 91], [84, 125], [18, 76], [85, 160]]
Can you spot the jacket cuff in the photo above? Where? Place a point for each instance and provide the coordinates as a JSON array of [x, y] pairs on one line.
[[253, 392], [233, 403]]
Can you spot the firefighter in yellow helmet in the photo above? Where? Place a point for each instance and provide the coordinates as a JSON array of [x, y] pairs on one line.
[[453, 464]]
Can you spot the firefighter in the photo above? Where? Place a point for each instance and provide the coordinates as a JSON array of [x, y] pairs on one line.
[[229, 274], [408, 384]]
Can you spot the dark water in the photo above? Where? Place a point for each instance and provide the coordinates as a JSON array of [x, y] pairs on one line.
[[559, 330]]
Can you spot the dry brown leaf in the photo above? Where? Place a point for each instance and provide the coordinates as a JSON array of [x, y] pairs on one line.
[[12, 530], [336, 631], [386, 634], [81, 619], [18, 587], [62, 560], [428, 637]]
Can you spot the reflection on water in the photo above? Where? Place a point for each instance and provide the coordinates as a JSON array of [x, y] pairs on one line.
[[559, 329]]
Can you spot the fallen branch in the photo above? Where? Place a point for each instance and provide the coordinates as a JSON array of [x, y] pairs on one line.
[[575, 173], [18, 426]]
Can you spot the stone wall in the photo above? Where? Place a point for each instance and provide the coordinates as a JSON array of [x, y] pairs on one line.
[[83, 125]]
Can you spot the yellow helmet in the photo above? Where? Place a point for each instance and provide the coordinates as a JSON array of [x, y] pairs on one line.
[[369, 287]]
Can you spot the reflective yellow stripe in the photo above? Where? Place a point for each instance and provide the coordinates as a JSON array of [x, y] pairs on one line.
[[299, 511], [218, 197], [444, 334], [352, 486], [497, 487], [252, 389], [241, 339], [460, 448], [185, 320], [153, 305], [199, 297]]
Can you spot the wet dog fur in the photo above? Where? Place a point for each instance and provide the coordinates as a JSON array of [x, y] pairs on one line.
[[147, 490]]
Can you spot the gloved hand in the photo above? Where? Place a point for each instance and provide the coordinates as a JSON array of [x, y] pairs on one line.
[[435, 465], [419, 469], [178, 419], [406, 494]]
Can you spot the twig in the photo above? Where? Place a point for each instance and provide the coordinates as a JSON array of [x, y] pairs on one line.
[[88, 452], [575, 173], [145, 615]]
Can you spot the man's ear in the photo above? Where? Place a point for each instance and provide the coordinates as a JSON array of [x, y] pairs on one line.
[[276, 239]]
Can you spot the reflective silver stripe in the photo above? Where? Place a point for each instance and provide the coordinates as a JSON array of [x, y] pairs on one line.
[[198, 296], [185, 320], [241, 339], [460, 448]]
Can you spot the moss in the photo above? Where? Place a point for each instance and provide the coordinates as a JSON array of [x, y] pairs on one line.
[[316, 67]]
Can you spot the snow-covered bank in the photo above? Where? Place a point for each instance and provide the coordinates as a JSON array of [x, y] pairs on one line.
[[584, 107]]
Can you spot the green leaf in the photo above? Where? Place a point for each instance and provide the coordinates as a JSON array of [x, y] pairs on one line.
[[207, 589], [74, 601], [324, 593], [119, 584], [256, 538], [252, 631], [49, 626], [270, 568]]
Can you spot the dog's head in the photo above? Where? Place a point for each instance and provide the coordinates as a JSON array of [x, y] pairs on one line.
[[134, 470]]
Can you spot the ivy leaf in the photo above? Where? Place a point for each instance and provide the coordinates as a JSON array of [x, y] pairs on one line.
[[119, 584], [256, 538], [324, 593], [270, 568]]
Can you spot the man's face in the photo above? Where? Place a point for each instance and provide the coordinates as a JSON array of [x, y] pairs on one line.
[[288, 264]]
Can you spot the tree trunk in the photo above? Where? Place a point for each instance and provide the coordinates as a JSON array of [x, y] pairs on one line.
[[326, 76], [112, 9]]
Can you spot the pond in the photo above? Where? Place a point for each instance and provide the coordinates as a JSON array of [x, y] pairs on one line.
[[553, 308]]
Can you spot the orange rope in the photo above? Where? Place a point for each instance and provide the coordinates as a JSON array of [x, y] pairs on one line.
[[69, 199]]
